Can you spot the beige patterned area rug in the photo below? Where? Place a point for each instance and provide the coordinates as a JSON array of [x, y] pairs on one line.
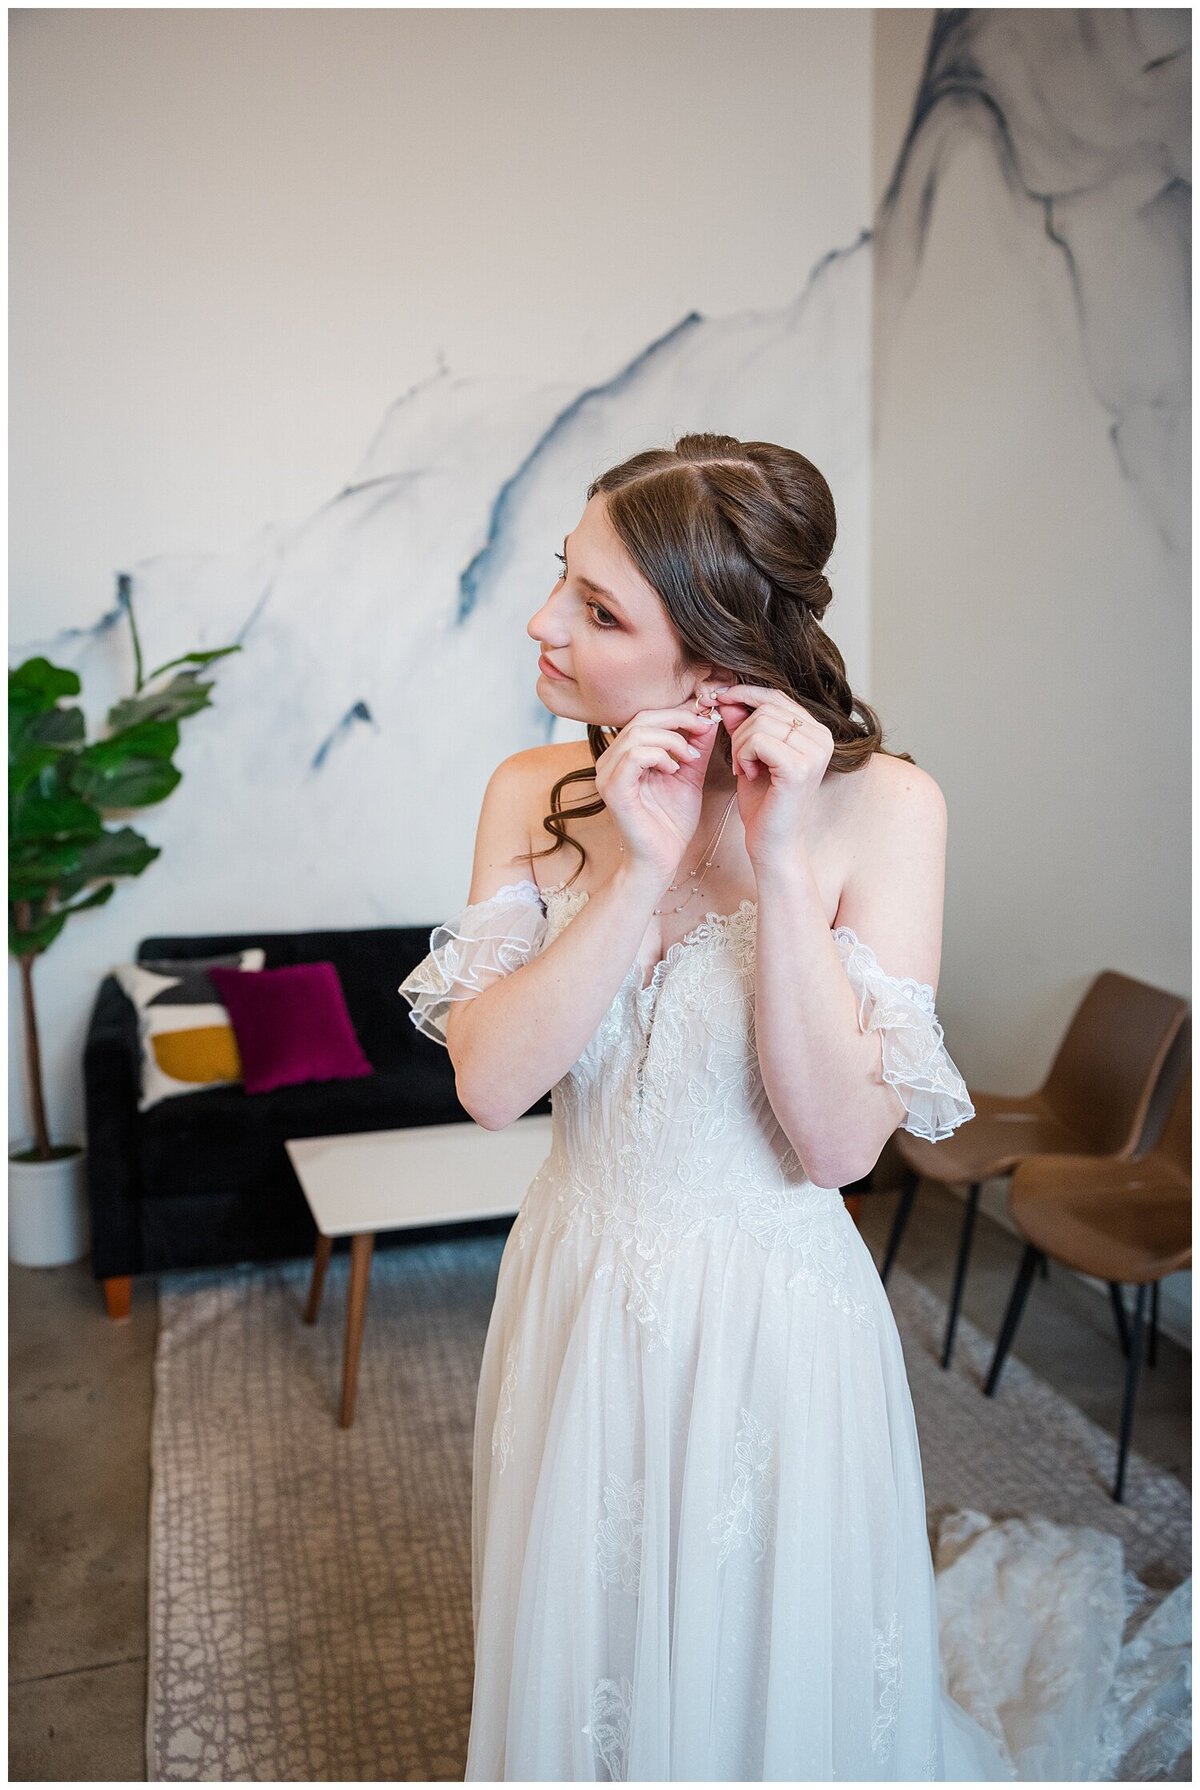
[[310, 1587]]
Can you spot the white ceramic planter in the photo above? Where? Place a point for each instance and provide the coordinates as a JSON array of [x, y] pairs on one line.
[[48, 1219]]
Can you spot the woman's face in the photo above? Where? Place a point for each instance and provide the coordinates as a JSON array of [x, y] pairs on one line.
[[608, 631]]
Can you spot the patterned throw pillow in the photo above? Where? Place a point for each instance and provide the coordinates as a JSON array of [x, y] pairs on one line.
[[186, 1034]]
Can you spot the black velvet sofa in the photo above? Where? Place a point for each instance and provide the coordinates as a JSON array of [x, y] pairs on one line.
[[202, 1180]]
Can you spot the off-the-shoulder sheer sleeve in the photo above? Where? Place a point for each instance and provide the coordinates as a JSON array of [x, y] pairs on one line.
[[467, 952], [915, 1060]]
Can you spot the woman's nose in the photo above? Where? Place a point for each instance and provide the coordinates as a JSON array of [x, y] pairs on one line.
[[535, 627]]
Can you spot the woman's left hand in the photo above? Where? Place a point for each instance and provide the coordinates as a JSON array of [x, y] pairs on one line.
[[779, 768]]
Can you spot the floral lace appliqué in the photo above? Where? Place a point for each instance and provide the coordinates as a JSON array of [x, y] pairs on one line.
[[747, 1512], [930, 1769], [619, 1534], [608, 1726], [887, 1688], [816, 1232], [697, 1144], [502, 1428]]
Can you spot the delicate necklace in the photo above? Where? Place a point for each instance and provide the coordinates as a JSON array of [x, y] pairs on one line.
[[708, 862]]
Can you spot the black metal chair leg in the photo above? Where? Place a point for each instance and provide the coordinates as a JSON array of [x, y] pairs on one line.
[[960, 1272], [1152, 1349], [1012, 1317], [1118, 1305], [908, 1194], [1131, 1379]]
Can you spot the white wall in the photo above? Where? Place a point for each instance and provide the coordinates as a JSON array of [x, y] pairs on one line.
[[1030, 578], [237, 236], [320, 317]]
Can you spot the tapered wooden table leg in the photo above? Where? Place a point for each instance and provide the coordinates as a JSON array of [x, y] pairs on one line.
[[361, 1249], [321, 1257], [118, 1296]]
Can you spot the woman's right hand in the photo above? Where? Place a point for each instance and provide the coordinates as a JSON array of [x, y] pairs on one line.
[[653, 787]]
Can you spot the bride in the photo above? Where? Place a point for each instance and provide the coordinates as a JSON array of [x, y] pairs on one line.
[[699, 1541]]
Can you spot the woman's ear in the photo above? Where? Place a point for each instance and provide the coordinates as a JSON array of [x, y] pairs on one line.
[[708, 675]]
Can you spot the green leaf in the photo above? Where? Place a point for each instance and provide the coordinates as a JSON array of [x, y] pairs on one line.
[[195, 659], [39, 683], [37, 869], [37, 866], [96, 899], [27, 768], [182, 696], [38, 938], [123, 852], [58, 727], [135, 783], [55, 817], [145, 739]]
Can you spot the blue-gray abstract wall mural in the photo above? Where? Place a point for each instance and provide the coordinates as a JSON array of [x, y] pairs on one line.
[[386, 666]]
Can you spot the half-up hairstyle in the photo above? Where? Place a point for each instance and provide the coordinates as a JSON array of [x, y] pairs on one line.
[[734, 537]]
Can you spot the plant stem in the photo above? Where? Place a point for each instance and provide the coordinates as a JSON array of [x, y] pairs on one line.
[[33, 1053], [125, 600]]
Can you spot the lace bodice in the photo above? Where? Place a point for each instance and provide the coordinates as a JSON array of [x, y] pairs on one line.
[[660, 1052], [662, 1128]]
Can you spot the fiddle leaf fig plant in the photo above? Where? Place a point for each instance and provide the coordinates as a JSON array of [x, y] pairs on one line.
[[60, 785]]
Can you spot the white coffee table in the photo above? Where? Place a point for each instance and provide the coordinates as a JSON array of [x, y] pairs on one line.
[[357, 1183]]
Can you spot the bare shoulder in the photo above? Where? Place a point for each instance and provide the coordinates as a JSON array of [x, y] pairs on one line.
[[563, 755], [533, 766], [518, 792], [897, 792], [503, 833], [544, 765], [887, 811], [532, 772]]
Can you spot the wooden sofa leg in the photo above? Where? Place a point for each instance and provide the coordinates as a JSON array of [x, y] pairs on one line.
[[118, 1295]]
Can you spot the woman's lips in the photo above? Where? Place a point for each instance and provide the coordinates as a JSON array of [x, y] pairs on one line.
[[551, 670]]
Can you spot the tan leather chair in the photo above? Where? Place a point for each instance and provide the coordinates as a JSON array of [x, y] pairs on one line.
[[1095, 1101], [1118, 1218]]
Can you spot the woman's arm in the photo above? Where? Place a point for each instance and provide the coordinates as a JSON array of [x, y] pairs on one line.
[[822, 1073], [513, 1041]]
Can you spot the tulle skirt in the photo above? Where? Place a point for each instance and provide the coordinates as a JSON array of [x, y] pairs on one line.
[[709, 1559]]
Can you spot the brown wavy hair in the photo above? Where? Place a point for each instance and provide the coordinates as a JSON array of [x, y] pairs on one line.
[[733, 536]]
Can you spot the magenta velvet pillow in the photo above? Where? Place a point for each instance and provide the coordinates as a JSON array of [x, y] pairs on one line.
[[291, 1025]]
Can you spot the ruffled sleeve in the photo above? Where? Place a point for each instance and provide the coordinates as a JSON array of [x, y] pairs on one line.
[[915, 1060], [467, 952]]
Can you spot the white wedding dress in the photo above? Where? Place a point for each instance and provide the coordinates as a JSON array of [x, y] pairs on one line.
[[699, 1541]]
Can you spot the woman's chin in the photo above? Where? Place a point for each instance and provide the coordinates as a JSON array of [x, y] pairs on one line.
[[549, 694]]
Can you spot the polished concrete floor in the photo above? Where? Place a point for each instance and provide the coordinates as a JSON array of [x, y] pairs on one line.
[[80, 1391]]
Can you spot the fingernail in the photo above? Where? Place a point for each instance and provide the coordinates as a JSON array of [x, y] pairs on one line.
[[693, 752]]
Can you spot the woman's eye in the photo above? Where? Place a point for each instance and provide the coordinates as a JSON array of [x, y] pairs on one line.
[[604, 626]]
